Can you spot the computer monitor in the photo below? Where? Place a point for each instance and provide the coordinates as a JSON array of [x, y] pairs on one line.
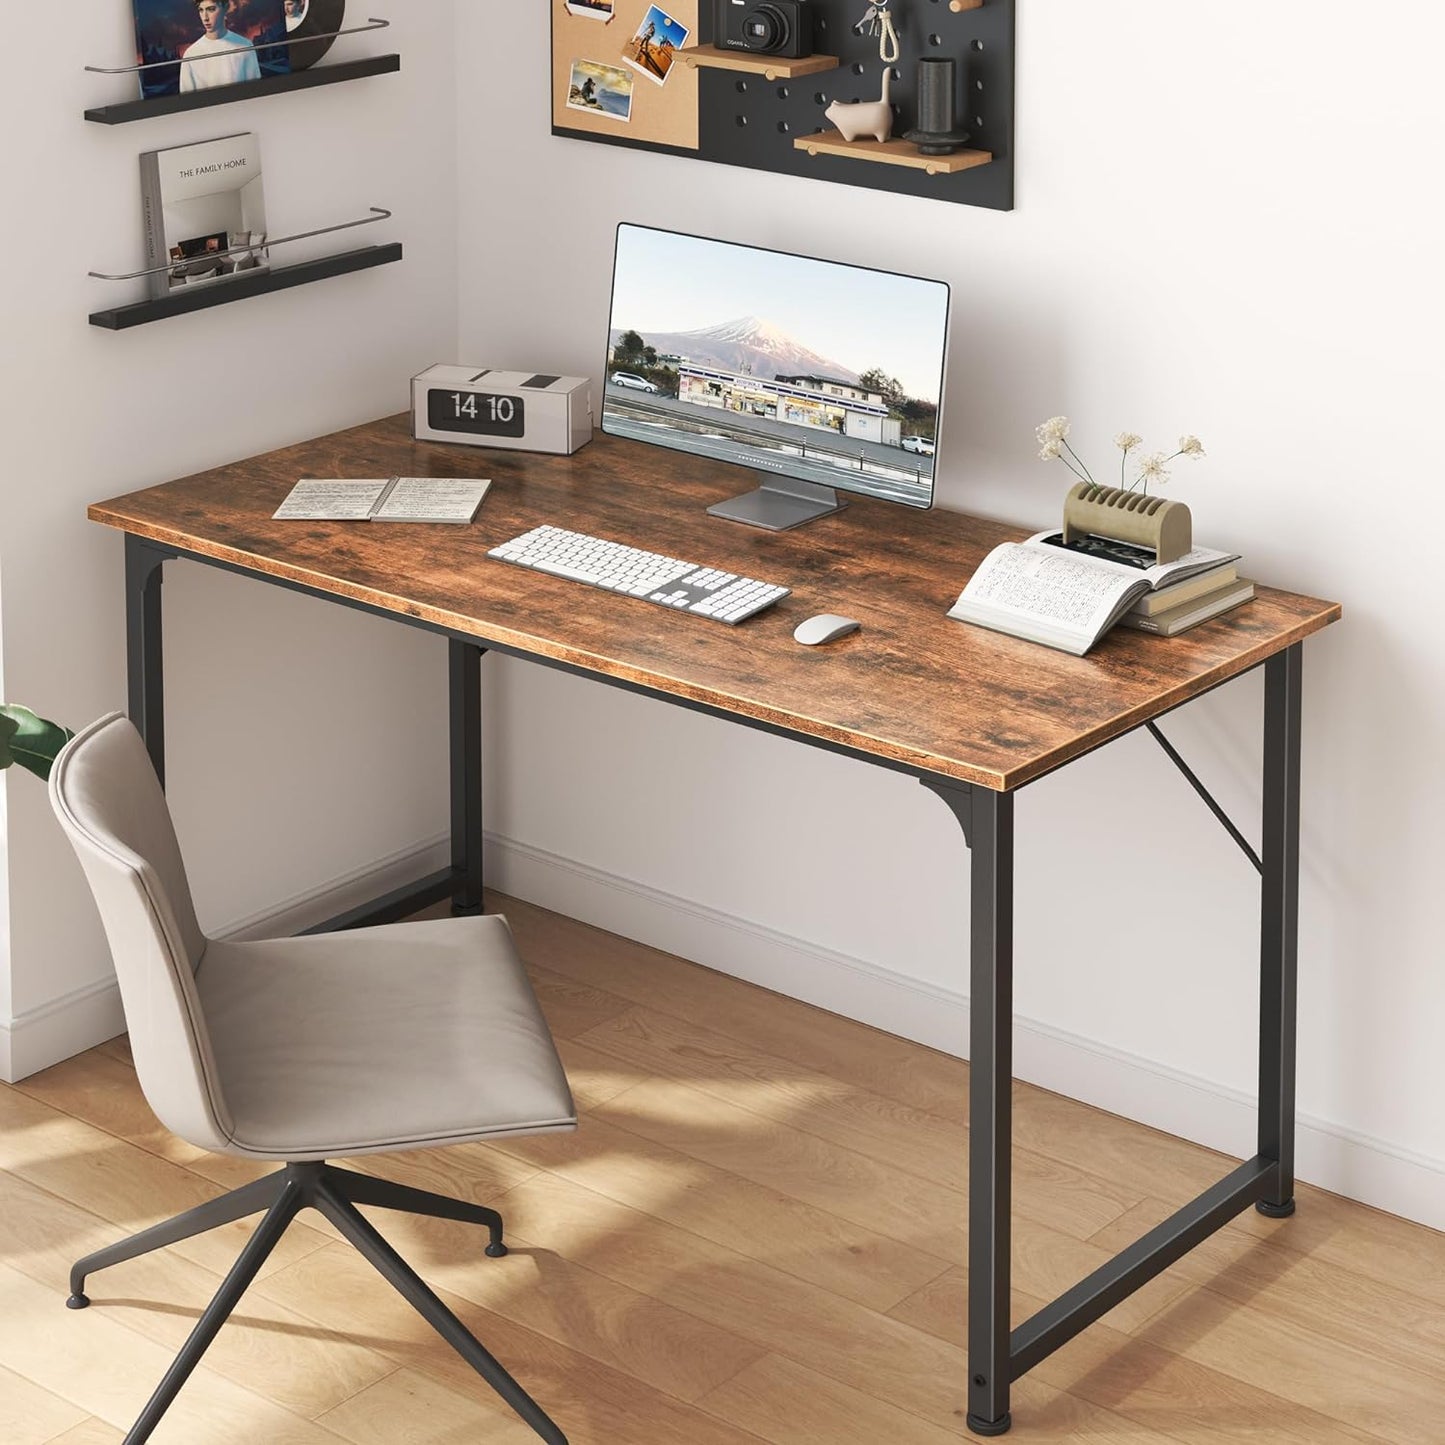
[[822, 377]]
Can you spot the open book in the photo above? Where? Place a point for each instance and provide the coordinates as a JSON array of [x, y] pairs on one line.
[[1069, 597], [383, 499]]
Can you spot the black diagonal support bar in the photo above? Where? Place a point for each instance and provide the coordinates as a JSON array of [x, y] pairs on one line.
[[1208, 797], [1279, 924], [1057, 1323], [145, 677]]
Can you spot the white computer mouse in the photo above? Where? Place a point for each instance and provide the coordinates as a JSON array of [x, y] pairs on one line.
[[824, 628]]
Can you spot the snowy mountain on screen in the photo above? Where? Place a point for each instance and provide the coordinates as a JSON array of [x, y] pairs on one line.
[[747, 345]]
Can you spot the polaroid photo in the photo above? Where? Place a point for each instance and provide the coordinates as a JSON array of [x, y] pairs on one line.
[[600, 89], [590, 9], [653, 49]]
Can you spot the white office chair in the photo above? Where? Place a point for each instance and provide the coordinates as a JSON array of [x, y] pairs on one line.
[[299, 1049]]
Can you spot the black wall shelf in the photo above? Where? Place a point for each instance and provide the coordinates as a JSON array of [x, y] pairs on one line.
[[129, 110], [282, 278]]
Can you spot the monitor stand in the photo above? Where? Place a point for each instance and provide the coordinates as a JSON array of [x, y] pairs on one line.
[[780, 503]]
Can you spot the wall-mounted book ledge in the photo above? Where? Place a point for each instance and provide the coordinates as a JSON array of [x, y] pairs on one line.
[[238, 287], [123, 112]]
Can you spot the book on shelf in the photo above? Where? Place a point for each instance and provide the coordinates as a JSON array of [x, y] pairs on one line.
[[1069, 595], [1174, 620], [383, 499], [204, 208]]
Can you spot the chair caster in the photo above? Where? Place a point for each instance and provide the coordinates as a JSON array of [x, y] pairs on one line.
[[1275, 1211], [496, 1251], [990, 1427], [77, 1302]]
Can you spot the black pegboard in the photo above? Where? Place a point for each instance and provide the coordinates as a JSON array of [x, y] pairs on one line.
[[748, 120]]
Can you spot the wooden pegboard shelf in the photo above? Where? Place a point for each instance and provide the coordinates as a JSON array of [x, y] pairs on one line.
[[770, 67], [891, 153]]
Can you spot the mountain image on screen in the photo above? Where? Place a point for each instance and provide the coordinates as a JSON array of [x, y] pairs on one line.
[[747, 345]]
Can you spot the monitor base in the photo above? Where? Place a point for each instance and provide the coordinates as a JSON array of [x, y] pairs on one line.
[[780, 503]]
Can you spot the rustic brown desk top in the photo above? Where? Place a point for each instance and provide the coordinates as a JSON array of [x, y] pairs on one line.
[[913, 686]]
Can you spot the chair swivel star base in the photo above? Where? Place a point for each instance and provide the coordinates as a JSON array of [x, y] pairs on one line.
[[335, 1193]]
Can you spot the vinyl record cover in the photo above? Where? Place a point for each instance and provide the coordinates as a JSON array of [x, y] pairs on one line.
[[197, 44], [305, 21]]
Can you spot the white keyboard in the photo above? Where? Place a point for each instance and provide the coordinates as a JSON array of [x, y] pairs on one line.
[[707, 591]]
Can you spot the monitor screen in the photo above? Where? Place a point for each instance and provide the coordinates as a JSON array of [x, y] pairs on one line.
[[828, 373]]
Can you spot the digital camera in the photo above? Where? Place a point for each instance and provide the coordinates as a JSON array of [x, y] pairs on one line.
[[766, 27]]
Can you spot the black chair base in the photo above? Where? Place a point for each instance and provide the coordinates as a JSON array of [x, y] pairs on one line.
[[335, 1193]]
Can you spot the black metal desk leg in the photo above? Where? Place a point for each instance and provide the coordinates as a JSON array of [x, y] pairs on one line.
[[464, 661], [1279, 925], [987, 819], [990, 1070], [144, 675]]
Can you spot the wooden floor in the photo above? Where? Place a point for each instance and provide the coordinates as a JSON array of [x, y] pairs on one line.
[[757, 1234]]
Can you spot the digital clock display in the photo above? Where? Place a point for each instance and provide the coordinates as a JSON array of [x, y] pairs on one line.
[[480, 413]]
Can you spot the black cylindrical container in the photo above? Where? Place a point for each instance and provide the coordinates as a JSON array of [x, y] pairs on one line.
[[936, 115]]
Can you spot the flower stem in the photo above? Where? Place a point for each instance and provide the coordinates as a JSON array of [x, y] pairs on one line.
[[1082, 468]]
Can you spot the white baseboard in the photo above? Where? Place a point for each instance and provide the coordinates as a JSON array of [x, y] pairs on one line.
[[1368, 1169]]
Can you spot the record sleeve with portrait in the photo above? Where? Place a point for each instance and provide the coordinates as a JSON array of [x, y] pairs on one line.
[[312, 26], [193, 45]]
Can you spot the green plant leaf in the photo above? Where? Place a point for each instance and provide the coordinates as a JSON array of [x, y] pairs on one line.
[[31, 741]]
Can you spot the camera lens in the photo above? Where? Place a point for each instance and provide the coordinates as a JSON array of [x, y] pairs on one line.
[[766, 28]]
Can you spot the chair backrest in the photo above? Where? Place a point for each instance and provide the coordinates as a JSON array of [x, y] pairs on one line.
[[105, 793]]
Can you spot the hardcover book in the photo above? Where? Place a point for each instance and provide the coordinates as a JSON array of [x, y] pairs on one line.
[[204, 211], [191, 45], [1068, 595]]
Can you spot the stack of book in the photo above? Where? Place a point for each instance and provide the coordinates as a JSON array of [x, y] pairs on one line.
[[1068, 595], [1181, 605]]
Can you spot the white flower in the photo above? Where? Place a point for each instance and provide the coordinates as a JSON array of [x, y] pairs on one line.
[[1126, 441], [1053, 430], [1051, 451], [1191, 447], [1151, 469]]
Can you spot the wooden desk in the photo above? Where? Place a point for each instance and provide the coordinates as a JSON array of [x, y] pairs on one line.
[[973, 715]]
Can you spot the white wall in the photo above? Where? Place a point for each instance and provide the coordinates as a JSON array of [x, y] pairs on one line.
[[1224, 226], [331, 725]]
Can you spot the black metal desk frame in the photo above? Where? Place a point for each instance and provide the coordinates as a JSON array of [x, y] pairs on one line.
[[996, 1355]]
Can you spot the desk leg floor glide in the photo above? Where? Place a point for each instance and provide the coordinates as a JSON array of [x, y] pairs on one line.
[[996, 1355]]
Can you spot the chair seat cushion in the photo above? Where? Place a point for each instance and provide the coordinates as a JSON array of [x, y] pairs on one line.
[[376, 1039]]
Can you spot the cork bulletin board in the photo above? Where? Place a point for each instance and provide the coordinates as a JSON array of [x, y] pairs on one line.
[[617, 80], [620, 46]]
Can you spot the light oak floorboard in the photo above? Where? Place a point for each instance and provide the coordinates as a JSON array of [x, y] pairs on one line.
[[766, 1022], [1269, 1275], [769, 1224], [409, 1408], [30, 1415], [90, 1432], [594, 1403], [757, 1235], [109, 1371], [161, 1295], [902, 1140]]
